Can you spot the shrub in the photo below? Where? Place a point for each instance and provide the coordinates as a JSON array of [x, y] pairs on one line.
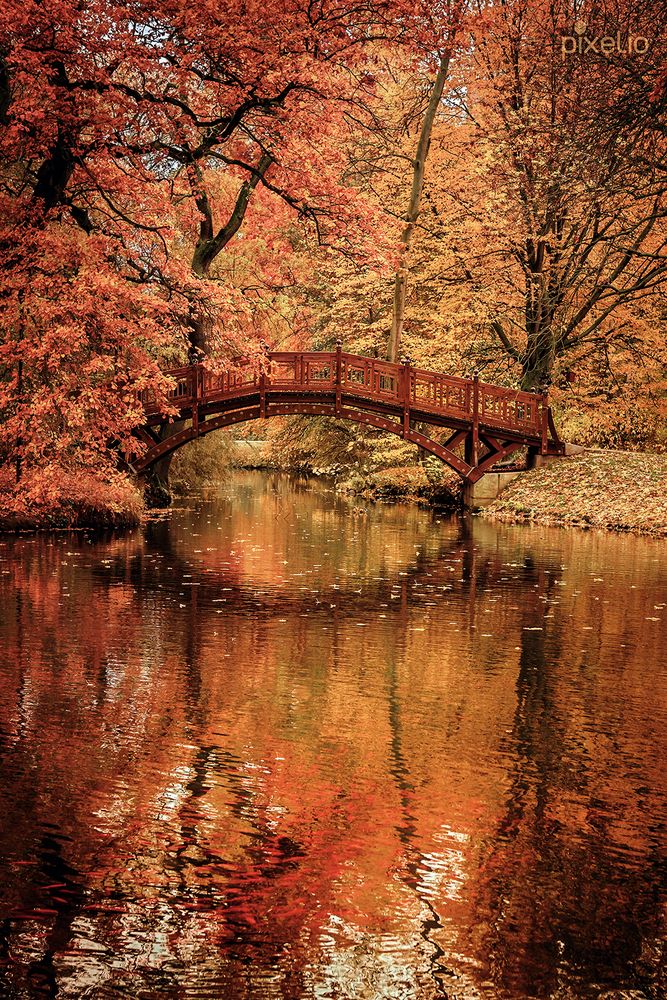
[[53, 497]]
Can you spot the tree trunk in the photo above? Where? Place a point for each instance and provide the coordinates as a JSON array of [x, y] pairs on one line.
[[157, 491], [538, 361], [419, 164], [19, 442], [208, 246]]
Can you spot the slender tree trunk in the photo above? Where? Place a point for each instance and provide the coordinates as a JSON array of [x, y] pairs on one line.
[[19, 442], [209, 245], [19, 384], [418, 169]]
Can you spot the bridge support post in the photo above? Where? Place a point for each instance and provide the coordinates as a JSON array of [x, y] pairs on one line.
[[196, 396], [545, 424], [339, 374], [472, 438], [405, 375], [262, 395]]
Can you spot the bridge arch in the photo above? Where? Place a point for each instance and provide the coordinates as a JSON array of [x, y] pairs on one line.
[[160, 449], [490, 422]]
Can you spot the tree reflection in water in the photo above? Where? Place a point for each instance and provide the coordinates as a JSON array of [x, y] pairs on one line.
[[265, 748]]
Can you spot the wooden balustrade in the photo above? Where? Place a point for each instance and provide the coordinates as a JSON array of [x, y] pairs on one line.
[[362, 388], [354, 374]]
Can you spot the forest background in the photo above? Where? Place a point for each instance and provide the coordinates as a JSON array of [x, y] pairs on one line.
[[478, 185]]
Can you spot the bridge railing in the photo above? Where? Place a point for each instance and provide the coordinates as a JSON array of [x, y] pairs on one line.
[[499, 407], [402, 385], [447, 395], [183, 393]]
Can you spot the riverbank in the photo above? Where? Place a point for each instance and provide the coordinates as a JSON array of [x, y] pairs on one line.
[[616, 490], [600, 488], [53, 499], [431, 485]]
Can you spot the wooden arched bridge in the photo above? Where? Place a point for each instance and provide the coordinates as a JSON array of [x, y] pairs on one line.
[[466, 423]]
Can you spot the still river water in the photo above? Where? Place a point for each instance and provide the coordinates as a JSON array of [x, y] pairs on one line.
[[272, 746]]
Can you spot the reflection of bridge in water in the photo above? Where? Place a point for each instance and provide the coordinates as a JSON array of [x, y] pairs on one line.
[[484, 424]]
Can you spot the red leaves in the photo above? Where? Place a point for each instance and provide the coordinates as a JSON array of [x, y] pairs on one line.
[[134, 144]]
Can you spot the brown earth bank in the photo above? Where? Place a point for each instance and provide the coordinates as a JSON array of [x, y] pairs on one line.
[[67, 519], [617, 490]]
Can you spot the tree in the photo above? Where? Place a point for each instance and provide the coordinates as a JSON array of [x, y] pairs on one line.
[[414, 205], [566, 227], [78, 341], [128, 132], [539, 246]]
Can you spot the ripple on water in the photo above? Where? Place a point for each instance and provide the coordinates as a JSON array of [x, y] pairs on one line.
[[264, 748]]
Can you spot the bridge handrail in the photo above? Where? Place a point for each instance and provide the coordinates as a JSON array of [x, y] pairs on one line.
[[359, 375]]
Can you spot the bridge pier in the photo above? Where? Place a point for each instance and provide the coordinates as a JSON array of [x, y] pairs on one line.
[[485, 490], [537, 461]]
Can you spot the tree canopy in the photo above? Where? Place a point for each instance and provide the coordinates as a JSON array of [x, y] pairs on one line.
[[183, 182]]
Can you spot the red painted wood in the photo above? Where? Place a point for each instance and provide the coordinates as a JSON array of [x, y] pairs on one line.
[[366, 390]]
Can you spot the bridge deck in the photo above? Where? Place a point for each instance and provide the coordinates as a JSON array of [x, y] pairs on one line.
[[484, 418]]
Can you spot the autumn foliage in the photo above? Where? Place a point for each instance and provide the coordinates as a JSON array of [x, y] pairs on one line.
[[181, 181]]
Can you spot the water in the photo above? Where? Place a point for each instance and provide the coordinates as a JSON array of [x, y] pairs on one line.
[[274, 746]]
